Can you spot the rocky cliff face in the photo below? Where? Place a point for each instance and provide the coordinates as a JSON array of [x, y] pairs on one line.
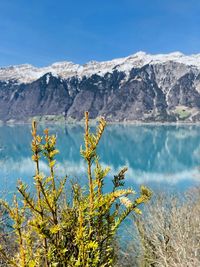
[[137, 88]]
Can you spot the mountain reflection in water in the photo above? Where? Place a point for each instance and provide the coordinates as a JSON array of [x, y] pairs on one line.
[[162, 156]]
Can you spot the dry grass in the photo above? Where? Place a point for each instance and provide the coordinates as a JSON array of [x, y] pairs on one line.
[[168, 234]]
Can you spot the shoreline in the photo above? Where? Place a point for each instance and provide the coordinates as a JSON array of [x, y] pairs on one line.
[[94, 121]]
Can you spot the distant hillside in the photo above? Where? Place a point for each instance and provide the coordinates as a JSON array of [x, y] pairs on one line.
[[140, 87]]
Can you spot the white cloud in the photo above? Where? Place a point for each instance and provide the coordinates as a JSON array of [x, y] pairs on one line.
[[25, 168]]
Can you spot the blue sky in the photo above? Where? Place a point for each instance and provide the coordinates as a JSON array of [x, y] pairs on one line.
[[41, 32]]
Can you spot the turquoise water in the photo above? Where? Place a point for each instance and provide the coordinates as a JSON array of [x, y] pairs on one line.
[[161, 157]]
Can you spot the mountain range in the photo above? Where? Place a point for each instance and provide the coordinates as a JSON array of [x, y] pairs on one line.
[[138, 88]]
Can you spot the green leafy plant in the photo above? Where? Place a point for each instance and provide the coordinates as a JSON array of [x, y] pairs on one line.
[[51, 231]]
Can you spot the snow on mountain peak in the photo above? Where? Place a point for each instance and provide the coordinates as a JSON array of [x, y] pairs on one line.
[[140, 54], [27, 73]]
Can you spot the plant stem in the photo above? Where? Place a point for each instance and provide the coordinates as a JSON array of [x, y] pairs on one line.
[[89, 160]]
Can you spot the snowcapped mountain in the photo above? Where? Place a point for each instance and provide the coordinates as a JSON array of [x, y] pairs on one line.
[[27, 73], [141, 87]]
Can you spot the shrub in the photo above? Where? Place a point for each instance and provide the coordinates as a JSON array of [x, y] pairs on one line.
[[167, 233], [51, 230]]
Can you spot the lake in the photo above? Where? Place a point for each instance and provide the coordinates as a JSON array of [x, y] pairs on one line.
[[164, 158]]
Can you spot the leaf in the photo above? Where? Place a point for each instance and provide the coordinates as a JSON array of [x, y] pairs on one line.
[[138, 211], [119, 178], [145, 191], [31, 263], [52, 163], [122, 192], [126, 202], [55, 229], [53, 153]]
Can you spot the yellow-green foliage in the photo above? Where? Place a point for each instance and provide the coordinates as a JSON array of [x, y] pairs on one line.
[[51, 231]]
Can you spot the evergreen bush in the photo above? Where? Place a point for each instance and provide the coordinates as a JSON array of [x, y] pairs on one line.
[[51, 230]]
